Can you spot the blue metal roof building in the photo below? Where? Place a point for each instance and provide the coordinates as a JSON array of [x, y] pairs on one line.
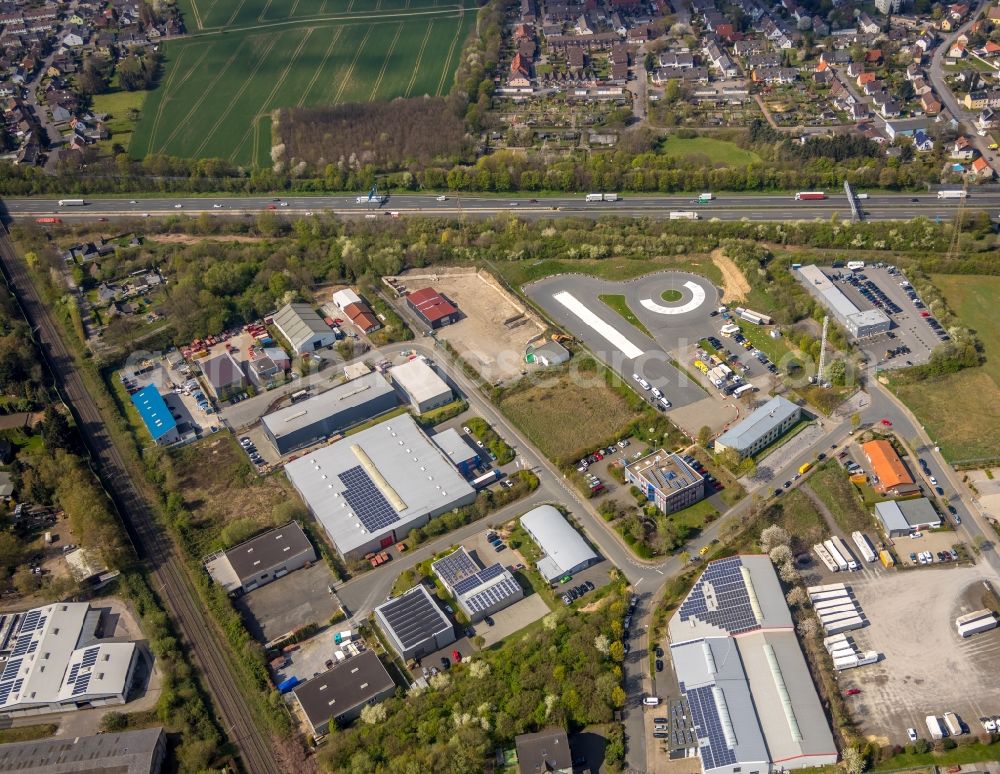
[[156, 415]]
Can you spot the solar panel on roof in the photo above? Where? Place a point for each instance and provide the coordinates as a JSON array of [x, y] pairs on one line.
[[466, 585], [491, 572], [89, 657], [367, 502], [705, 716], [81, 685], [455, 567], [731, 611], [22, 646], [5, 689], [72, 673]]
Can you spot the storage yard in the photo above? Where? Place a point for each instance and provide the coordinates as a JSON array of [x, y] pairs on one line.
[[926, 668]]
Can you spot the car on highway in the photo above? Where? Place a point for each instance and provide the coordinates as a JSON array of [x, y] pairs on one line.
[[133, 201], [271, 207], [514, 204], [216, 206], [178, 206], [284, 204], [442, 198]]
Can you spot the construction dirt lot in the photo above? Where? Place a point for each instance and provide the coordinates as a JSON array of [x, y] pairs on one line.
[[496, 350], [926, 668]]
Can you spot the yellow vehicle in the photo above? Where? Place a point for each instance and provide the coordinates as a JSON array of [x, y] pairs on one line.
[[805, 468], [704, 550], [701, 366], [993, 146]]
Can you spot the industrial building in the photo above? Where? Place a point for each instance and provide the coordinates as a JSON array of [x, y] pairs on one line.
[[261, 559], [224, 375], [752, 701], [544, 751], [57, 662], [155, 415], [359, 313], [565, 551], [414, 624], [551, 353], [433, 309], [891, 475], [339, 694], [479, 591], [420, 385], [761, 428], [458, 450], [126, 752], [903, 517], [304, 330], [667, 481], [860, 324], [370, 489], [331, 412]]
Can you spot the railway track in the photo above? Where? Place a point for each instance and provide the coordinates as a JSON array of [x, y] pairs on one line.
[[202, 639]]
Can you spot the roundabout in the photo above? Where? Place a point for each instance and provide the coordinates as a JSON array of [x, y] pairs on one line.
[[690, 297]]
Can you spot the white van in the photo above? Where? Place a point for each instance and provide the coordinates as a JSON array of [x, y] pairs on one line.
[[651, 701]]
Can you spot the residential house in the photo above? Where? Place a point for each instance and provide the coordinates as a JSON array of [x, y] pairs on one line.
[[922, 142], [921, 87], [987, 119], [680, 60], [957, 50], [874, 57], [865, 78], [854, 70], [963, 149], [574, 58], [582, 26], [867, 25], [975, 100], [981, 169], [914, 71], [906, 127], [990, 50], [930, 104]]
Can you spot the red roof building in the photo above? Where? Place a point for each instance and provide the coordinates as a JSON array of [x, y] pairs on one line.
[[362, 317], [430, 306]]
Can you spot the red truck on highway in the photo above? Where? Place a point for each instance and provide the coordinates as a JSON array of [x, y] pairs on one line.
[[807, 195]]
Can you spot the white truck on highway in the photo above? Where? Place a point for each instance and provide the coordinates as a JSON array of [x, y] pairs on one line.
[[71, 202], [705, 197], [602, 197], [683, 215], [952, 194]]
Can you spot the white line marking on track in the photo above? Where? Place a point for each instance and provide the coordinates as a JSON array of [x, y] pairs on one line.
[[611, 334], [697, 291]]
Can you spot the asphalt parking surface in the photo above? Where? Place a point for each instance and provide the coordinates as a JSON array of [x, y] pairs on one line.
[[671, 332], [289, 603]]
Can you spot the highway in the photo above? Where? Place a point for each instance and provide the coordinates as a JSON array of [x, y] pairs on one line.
[[769, 207], [201, 638]]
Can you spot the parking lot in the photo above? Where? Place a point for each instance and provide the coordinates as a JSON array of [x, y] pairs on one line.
[[926, 667], [915, 332], [289, 603], [313, 656], [183, 395]]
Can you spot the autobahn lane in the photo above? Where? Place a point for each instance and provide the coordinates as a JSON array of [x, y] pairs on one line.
[[726, 207], [202, 639]]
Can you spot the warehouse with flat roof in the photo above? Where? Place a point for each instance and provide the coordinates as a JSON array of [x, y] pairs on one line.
[[339, 694], [155, 415], [753, 703], [331, 412], [261, 559], [414, 623], [459, 451], [304, 330], [858, 323], [903, 517], [761, 428], [370, 489], [565, 551], [433, 309], [224, 375], [420, 385], [58, 663], [125, 752], [667, 480], [479, 591]]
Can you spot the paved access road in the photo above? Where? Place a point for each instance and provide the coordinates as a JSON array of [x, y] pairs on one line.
[[879, 206], [201, 637]]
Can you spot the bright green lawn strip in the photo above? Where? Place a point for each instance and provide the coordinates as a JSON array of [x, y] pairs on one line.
[[620, 305], [717, 151]]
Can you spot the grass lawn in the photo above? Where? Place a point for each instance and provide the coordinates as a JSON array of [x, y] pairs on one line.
[[695, 516], [250, 57], [117, 105], [938, 403], [524, 272], [717, 151], [620, 305], [26, 733], [972, 753], [829, 482], [732, 490], [671, 296], [798, 514], [565, 420]]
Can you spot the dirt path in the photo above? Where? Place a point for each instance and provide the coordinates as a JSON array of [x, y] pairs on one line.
[[831, 522], [734, 285], [193, 239]]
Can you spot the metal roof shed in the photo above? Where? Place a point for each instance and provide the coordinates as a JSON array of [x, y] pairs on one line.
[[566, 552]]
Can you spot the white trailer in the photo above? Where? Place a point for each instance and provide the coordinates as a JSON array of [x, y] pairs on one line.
[[612, 197], [596, 197], [845, 607], [845, 552], [855, 265], [743, 390], [836, 555], [71, 202], [953, 723], [978, 626], [869, 657], [810, 590], [934, 727], [825, 558], [683, 215], [952, 194], [825, 595], [847, 662], [864, 545], [825, 604], [828, 620], [830, 642], [845, 626]]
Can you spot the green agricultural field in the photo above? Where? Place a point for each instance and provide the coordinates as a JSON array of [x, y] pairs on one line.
[[717, 151], [246, 58]]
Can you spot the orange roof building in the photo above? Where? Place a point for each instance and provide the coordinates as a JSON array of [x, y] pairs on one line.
[[893, 477]]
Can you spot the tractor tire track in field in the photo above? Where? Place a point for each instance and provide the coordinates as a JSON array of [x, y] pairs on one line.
[[263, 13], [239, 93], [385, 64], [420, 58], [209, 89], [354, 63], [197, 14], [166, 97], [233, 15], [443, 11], [451, 53], [263, 105], [320, 68]]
